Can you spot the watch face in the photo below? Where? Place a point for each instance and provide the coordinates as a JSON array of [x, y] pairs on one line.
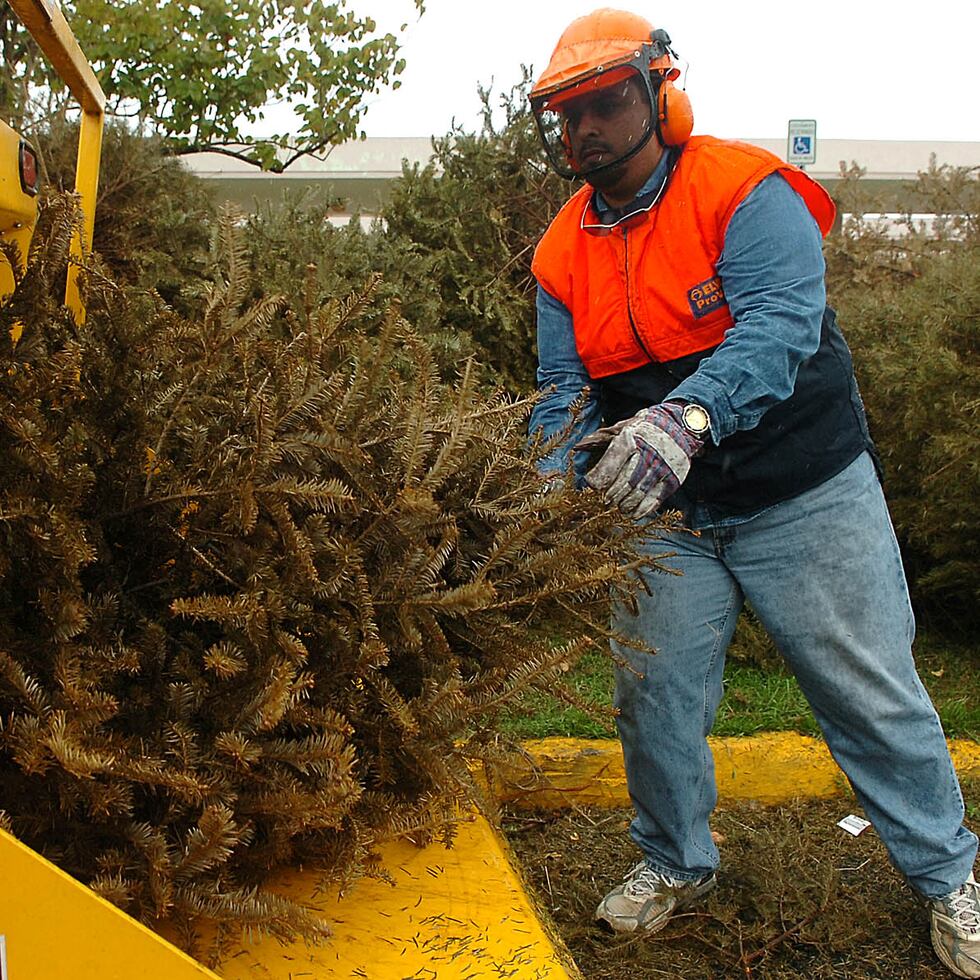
[[696, 419]]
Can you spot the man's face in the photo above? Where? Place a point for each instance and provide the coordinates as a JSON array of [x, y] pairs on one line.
[[603, 125]]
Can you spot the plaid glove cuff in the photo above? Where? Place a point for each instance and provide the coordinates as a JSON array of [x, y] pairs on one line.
[[669, 416], [647, 460]]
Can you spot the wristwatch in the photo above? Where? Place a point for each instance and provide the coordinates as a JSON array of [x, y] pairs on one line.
[[696, 420]]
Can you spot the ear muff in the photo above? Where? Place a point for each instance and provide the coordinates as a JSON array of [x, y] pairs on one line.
[[675, 117]]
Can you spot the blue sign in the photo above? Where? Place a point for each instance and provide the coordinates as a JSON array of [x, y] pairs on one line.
[[801, 142]]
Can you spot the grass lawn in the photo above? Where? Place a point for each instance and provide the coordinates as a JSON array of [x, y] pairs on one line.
[[758, 698]]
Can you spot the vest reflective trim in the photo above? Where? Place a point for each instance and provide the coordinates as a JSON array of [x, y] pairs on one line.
[[652, 291]]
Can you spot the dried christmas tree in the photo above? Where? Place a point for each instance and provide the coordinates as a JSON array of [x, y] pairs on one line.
[[266, 581]]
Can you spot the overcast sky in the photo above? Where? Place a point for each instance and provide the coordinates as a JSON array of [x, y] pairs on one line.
[[864, 69]]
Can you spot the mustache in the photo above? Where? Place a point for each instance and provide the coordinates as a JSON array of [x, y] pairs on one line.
[[591, 146]]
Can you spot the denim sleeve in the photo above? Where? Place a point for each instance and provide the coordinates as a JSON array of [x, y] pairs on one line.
[[772, 272], [561, 380]]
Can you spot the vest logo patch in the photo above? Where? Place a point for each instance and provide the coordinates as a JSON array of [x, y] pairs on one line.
[[705, 297]]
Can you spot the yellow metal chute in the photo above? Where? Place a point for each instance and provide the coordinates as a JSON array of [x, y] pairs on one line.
[[47, 25]]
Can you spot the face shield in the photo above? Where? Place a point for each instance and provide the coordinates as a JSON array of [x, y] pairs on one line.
[[594, 124]]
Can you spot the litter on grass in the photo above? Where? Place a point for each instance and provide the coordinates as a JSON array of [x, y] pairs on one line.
[[854, 824]]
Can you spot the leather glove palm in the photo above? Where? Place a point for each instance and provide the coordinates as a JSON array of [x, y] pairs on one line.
[[647, 458]]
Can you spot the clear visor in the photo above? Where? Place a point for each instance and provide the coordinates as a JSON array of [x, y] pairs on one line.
[[596, 123]]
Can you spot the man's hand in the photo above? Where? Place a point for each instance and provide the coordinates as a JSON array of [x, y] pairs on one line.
[[647, 459]]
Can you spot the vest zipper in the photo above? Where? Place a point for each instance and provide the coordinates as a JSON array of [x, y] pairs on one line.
[[629, 308]]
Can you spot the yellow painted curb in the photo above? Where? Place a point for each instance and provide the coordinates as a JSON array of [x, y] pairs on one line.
[[53, 928], [770, 768], [459, 913]]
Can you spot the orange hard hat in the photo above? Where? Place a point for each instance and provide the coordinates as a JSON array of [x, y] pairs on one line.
[[597, 42]]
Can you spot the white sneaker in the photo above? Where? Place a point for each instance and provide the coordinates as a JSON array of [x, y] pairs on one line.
[[955, 922], [648, 899]]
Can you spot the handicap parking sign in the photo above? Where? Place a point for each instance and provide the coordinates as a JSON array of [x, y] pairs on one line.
[[801, 142]]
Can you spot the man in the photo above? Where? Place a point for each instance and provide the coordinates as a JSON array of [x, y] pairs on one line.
[[683, 287]]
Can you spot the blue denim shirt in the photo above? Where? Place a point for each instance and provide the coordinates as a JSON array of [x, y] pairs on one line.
[[772, 272]]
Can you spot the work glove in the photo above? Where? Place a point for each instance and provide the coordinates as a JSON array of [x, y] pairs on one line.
[[647, 458]]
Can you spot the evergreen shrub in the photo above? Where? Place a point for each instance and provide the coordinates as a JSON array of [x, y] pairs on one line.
[[266, 581], [910, 307], [453, 248], [152, 217], [289, 239], [475, 214]]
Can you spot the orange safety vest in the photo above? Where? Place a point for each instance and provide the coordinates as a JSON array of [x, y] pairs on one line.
[[652, 291]]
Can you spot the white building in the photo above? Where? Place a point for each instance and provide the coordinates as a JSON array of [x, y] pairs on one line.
[[360, 173]]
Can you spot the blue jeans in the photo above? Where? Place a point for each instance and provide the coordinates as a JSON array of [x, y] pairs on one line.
[[823, 573]]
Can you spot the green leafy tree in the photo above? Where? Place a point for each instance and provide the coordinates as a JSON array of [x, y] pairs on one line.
[[199, 74]]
